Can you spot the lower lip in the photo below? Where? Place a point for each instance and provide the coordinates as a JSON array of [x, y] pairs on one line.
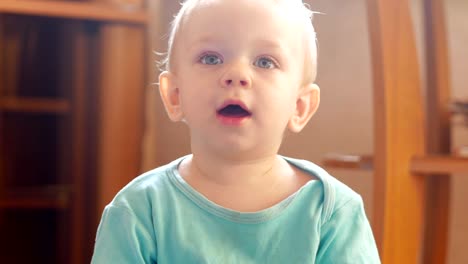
[[231, 120]]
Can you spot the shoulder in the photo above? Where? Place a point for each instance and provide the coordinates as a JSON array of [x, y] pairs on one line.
[[146, 188], [336, 195], [345, 232]]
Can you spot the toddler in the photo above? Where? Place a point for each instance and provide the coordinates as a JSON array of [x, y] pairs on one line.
[[239, 73]]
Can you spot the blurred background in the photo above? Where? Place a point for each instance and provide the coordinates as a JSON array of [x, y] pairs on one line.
[[80, 114]]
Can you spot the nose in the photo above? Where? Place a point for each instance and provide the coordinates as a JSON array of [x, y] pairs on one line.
[[236, 75]]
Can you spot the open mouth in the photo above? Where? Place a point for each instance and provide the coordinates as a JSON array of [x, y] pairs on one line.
[[234, 111]]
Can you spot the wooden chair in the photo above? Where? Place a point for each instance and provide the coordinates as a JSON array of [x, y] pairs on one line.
[[411, 162]]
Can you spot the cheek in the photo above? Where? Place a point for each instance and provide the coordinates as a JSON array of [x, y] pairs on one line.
[[279, 108], [195, 101], [286, 95], [192, 101]]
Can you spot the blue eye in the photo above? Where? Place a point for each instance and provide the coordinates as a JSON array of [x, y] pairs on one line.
[[265, 63], [210, 59]]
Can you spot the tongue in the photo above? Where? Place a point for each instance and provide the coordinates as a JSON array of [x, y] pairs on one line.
[[233, 111]]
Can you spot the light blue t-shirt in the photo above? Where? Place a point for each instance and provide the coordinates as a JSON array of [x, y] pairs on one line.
[[160, 218]]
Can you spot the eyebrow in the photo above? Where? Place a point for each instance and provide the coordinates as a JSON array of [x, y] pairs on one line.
[[203, 40], [260, 42], [273, 44]]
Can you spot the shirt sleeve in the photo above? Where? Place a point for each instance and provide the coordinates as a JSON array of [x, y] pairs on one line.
[[123, 238], [347, 237]]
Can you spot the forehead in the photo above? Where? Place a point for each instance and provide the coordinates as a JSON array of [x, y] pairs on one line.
[[262, 19]]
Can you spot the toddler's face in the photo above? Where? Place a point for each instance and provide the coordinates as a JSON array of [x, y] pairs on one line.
[[238, 68]]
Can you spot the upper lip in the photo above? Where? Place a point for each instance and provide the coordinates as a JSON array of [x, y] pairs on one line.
[[228, 102]]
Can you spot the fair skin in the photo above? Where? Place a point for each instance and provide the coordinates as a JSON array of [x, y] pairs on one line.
[[238, 90]]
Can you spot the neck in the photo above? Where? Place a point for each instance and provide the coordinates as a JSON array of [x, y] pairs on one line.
[[246, 185], [233, 172]]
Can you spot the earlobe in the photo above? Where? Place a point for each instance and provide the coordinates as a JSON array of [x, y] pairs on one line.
[[170, 96], [307, 104]]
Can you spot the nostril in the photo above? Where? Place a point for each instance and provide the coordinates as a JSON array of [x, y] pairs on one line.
[[229, 82]]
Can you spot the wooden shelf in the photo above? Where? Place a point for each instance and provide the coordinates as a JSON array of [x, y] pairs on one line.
[[48, 197], [75, 10], [420, 165], [35, 105], [442, 165], [60, 43], [340, 161], [460, 108]]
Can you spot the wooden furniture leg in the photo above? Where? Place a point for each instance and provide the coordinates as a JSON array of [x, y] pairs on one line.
[[438, 132], [399, 132]]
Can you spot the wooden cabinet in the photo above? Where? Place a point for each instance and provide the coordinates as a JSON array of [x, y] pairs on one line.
[[72, 79]]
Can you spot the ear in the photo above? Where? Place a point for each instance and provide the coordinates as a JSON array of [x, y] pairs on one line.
[[307, 103], [170, 96]]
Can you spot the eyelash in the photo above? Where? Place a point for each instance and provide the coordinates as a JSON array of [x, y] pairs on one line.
[[270, 59], [206, 54], [203, 56]]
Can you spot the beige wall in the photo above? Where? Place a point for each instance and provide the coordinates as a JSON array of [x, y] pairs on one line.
[[456, 12], [343, 123], [457, 18]]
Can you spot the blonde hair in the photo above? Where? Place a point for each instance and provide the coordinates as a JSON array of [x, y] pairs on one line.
[[301, 11]]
